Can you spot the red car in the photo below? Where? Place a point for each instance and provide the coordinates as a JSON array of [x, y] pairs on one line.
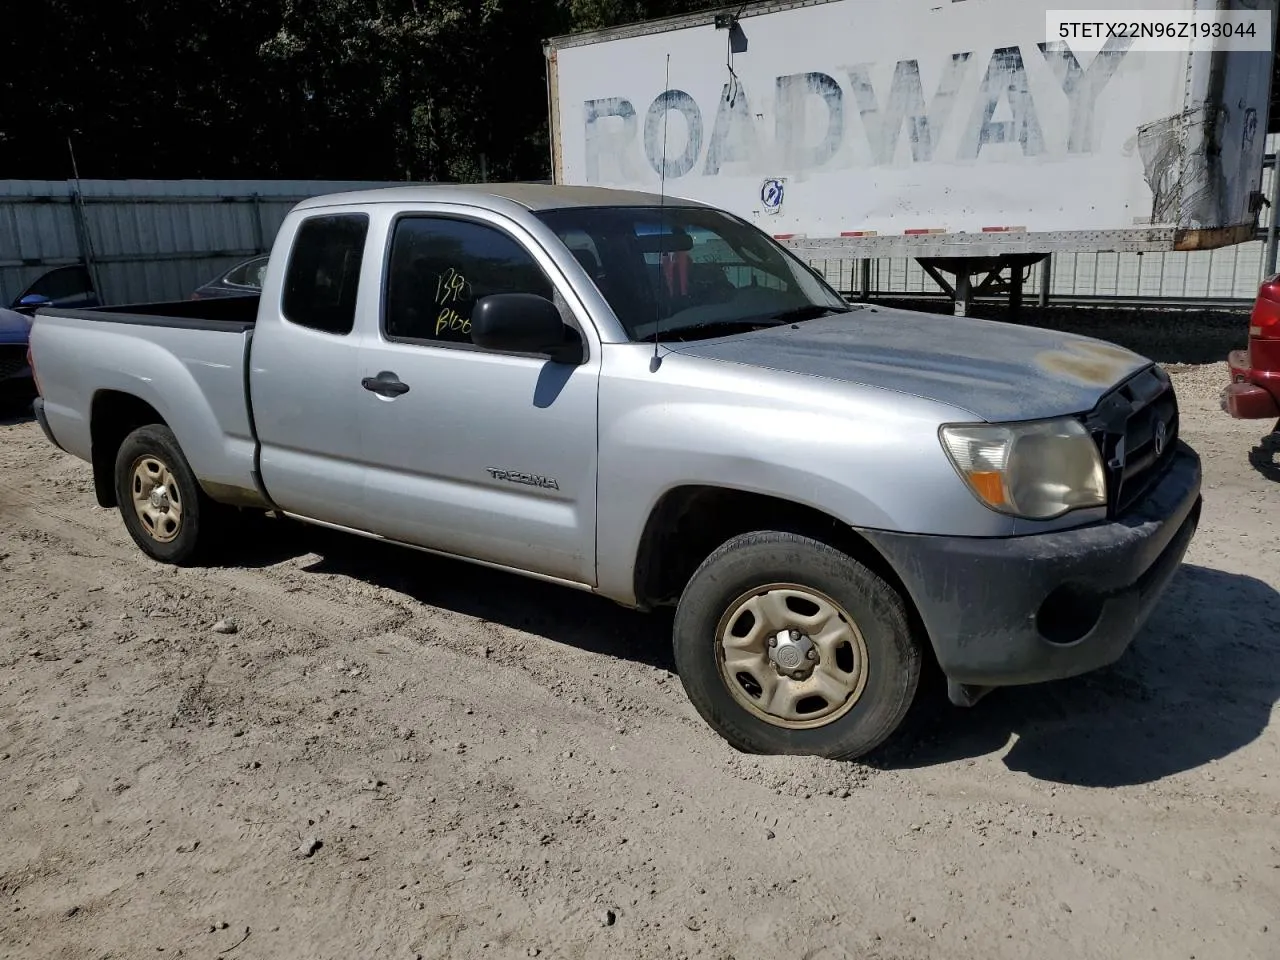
[[1254, 391]]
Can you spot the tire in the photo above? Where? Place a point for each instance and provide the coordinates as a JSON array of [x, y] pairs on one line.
[[854, 638], [176, 537]]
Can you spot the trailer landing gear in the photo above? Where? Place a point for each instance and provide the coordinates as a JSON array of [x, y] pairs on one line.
[[966, 269]]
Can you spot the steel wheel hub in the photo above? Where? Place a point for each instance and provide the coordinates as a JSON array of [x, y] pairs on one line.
[[791, 656], [156, 500]]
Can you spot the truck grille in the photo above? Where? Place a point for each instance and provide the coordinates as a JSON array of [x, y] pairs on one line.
[[13, 359], [1136, 429]]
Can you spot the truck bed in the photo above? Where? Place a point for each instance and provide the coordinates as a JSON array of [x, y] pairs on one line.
[[236, 314], [186, 360]]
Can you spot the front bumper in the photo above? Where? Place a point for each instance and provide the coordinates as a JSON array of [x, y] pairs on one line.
[[13, 363], [1252, 394], [1015, 610]]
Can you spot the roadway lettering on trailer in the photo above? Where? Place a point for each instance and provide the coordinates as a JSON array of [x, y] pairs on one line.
[[612, 123]]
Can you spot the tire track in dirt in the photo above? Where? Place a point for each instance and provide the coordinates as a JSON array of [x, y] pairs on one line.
[[359, 611], [259, 589], [567, 689], [616, 691], [511, 812]]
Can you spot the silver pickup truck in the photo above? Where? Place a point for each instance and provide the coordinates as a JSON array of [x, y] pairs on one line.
[[656, 402]]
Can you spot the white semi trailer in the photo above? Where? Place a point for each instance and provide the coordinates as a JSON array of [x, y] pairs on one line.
[[957, 132]]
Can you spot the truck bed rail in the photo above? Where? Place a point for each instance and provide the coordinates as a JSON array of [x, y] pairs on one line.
[[233, 314]]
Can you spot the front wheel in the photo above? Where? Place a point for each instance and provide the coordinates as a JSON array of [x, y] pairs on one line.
[[786, 645]]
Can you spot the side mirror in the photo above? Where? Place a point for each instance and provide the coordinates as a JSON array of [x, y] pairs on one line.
[[524, 323], [34, 300]]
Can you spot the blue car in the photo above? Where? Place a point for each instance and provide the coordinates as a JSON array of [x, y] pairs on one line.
[[69, 286], [14, 371]]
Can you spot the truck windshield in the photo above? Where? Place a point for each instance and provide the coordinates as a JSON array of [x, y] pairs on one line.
[[690, 272]]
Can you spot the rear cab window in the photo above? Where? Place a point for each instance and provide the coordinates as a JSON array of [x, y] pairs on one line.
[[322, 280]]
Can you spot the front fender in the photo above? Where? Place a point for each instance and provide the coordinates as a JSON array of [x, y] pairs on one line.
[[869, 458]]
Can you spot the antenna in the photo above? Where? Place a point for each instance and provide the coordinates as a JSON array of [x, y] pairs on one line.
[[656, 361], [90, 265]]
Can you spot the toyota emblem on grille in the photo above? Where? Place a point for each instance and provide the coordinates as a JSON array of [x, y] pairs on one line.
[[1161, 437]]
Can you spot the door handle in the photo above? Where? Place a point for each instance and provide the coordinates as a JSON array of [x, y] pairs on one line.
[[385, 384]]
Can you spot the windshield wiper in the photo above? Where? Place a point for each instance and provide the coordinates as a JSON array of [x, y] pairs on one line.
[[750, 323], [795, 315], [810, 311]]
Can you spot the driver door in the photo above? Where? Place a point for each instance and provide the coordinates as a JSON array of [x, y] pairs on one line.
[[472, 452]]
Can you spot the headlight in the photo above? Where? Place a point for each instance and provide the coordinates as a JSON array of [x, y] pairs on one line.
[[1033, 470]]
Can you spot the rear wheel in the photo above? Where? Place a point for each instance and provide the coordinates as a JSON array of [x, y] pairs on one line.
[[169, 517], [786, 645]]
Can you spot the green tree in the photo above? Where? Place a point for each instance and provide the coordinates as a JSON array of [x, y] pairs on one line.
[[593, 14], [433, 86], [141, 87], [297, 89]]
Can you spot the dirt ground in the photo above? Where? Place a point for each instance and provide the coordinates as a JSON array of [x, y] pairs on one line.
[[394, 756]]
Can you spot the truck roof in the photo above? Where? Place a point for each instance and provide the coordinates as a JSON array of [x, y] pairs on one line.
[[532, 196]]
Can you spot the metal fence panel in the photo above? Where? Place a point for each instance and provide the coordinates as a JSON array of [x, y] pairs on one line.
[[160, 239], [1228, 272], [148, 239]]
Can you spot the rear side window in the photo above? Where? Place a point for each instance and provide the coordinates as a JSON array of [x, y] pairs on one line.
[[249, 274], [323, 278], [440, 267]]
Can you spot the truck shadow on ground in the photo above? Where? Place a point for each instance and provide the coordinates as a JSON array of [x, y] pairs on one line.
[[560, 614], [1265, 457], [1199, 683]]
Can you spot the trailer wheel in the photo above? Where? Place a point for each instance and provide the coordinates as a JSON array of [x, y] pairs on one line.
[[169, 517], [786, 645]]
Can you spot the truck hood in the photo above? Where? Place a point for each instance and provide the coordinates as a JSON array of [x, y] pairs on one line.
[[14, 327], [996, 371]]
